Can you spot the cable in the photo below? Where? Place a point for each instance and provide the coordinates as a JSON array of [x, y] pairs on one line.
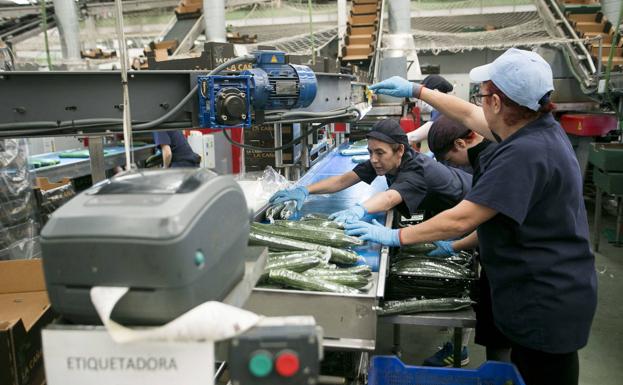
[[294, 142], [271, 149]]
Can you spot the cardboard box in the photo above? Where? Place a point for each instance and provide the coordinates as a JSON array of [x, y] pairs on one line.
[[24, 311]]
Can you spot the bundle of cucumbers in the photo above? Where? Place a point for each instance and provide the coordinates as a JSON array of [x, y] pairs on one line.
[[309, 255]]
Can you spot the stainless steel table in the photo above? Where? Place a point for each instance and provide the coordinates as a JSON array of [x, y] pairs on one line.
[[456, 319]]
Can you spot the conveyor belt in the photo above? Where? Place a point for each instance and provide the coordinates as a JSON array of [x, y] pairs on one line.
[[336, 164], [76, 167]]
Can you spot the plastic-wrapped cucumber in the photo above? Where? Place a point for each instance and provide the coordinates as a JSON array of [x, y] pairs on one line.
[[331, 232], [274, 256], [352, 280], [323, 223], [288, 210], [273, 212], [418, 248], [312, 216], [362, 270], [429, 267], [275, 243], [414, 305], [303, 282], [334, 238], [298, 264]]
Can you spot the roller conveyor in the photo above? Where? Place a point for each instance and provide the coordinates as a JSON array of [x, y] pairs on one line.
[[348, 320]]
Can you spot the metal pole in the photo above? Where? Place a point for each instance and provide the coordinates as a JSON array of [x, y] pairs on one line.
[[214, 19], [44, 27], [67, 16], [341, 23], [311, 32], [127, 121]]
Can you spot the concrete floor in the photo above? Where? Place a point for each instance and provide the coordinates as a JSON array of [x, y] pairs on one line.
[[599, 360]]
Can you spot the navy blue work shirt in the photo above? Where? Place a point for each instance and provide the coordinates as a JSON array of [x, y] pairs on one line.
[[422, 183], [183, 155], [536, 250]]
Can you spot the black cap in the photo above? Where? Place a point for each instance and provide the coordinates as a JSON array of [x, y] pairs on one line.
[[443, 133], [388, 131], [436, 82]]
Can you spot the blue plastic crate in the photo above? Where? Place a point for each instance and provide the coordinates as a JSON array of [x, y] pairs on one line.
[[389, 370]]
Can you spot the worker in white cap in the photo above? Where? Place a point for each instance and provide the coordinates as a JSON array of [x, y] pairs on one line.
[[529, 213]]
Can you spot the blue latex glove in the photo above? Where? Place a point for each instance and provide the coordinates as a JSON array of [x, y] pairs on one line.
[[352, 214], [298, 194], [397, 87], [374, 232], [444, 249]]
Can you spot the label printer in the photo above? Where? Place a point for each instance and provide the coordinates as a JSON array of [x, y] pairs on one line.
[[176, 238]]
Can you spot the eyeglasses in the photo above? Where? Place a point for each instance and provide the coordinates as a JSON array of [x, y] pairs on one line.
[[478, 98]]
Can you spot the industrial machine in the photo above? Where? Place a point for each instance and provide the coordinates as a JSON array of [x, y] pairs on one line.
[[175, 237], [272, 84]]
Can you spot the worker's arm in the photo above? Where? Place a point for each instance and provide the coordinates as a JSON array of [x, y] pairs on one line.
[[382, 201], [167, 155], [467, 243], [334, 183], [461, 219], [470, 115]]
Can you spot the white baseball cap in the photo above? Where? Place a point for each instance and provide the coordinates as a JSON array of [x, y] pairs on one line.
[[524, 76]]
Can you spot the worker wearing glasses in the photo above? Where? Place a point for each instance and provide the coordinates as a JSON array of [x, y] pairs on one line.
[[528, 210]]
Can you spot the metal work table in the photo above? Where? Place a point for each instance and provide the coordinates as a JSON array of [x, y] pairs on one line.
[[457, 320], [349, 321], [77, 167]]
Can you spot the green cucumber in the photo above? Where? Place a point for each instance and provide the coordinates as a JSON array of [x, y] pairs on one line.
[[340, 238], [418, 248], [273, 212], [352, 280], [414, 305], [302, 282]]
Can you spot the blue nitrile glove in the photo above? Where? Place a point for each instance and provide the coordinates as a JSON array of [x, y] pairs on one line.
[[397, 87], [374, 232], [444, 249], [352, 214], [298, 194]]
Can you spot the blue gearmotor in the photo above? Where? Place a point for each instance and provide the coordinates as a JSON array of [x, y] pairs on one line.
[[272, 84]]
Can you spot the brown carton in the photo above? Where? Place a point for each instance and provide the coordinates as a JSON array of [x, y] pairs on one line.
[[24, 311]]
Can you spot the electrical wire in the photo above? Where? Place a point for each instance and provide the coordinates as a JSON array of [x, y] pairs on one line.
[[271, 149]]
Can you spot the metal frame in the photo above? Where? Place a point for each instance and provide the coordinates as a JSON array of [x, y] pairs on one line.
[[70, 96]]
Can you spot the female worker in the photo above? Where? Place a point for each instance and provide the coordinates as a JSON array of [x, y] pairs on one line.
[[456, 145], [529, 212], [414, 180]]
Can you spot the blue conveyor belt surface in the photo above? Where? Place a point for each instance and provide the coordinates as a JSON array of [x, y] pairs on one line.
[[113, 150], [336, 164]]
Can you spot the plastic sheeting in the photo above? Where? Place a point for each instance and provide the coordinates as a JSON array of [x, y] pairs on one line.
[[19, 228]]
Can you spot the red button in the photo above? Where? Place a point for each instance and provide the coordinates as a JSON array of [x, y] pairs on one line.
[[287, 363]]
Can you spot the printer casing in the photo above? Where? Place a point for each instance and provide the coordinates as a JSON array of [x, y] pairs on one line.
[[174, 247]]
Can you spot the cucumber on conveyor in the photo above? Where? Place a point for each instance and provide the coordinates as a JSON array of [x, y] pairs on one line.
[[414, 305], [336, 236], [307, 283], [276, 243], [352, 280], [296, 262], [430, 267], [333, 239], [418, 248], [363, 270]]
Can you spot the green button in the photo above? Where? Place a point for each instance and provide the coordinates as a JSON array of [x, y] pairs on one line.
[[200, 259], [261, 364]]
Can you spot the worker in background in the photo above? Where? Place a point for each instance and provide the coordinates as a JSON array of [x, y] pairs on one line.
[[437, 83], [415, 181], [454, 144], [176, 151], [529, 211]]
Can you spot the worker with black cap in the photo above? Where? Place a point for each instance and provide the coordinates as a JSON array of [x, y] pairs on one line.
[[415, 181]]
